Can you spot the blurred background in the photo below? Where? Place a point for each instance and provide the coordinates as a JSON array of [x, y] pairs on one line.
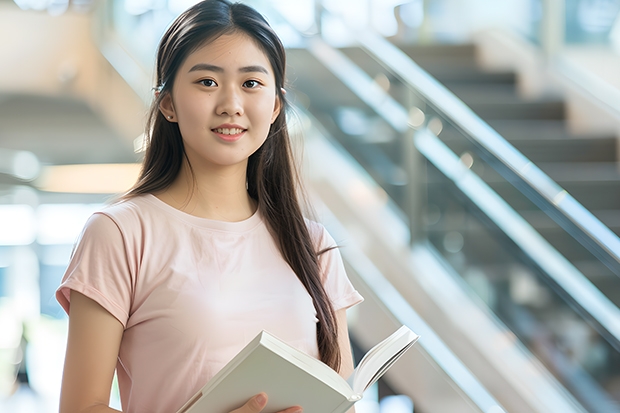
[[464, 154]]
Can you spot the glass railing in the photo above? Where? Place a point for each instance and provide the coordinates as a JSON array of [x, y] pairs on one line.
[[530, 252], [435, 363]]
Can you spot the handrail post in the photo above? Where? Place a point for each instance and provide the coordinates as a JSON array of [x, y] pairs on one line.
[[415, 190], [553, 27], [425, 32]]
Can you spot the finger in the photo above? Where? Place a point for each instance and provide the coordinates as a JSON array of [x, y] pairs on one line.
[[294, 409], [258, 402], [254, 405]]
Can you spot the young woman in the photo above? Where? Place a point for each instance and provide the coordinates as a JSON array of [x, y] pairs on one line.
[[210, 246]]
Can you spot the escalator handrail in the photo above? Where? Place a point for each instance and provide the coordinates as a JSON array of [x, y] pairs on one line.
[[364, 87], [482, 134], [399, 308], [602, 311], [555, 265], [545, 389]]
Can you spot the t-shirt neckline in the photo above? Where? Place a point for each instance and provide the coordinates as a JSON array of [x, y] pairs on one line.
[[237, 226]]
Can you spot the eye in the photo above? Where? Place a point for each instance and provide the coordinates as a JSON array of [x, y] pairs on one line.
[[251, 84], [207, 82]]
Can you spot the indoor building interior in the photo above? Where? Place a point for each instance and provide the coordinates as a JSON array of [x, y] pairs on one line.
[[464, 154]]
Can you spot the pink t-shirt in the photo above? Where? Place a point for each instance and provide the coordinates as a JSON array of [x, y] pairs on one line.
[[191, 292]]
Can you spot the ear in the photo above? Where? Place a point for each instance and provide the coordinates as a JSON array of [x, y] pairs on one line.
[[166, 107], [276, 109]]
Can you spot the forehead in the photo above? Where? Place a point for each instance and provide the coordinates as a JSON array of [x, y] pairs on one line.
[[230, 51]]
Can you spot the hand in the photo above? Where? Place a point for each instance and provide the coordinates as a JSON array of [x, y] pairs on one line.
[[257, 403]]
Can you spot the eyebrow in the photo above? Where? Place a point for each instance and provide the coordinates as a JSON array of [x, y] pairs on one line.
[[213, 68]]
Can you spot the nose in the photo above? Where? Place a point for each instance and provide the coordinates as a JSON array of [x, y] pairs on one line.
[[230, 102]]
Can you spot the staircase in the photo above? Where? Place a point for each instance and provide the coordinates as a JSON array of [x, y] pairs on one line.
[[586, 166]]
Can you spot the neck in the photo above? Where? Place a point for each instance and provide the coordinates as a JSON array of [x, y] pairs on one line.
[[215, 194]]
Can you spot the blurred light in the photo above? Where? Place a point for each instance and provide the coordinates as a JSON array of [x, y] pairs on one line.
[[467, 159], [396, 404], [25, 165], [382, 81], [18, 225], [412, 13], [89, 178], [453, 242], [435, 126], [416, 117], [20, 164], [62, 223], [352, 121]]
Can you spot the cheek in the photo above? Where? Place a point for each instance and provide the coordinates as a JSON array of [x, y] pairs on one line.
[[193, 108], [266, 109]]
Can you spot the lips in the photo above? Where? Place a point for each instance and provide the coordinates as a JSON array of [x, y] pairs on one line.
[[229, 133]]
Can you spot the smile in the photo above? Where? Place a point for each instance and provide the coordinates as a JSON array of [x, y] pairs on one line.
[[227, 131]]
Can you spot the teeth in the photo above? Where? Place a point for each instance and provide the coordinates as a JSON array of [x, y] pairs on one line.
[[226, 131]]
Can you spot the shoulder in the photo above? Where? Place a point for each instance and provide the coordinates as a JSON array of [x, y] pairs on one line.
[[124, 218], [131, 208], [127, 214], [319, 235]]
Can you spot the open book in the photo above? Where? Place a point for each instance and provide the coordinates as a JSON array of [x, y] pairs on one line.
[[293, 378]]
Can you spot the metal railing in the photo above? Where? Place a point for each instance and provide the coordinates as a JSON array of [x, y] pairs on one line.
[[572, 281], [511, 164]]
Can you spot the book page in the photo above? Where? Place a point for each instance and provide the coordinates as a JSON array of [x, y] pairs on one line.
[[380, 358]]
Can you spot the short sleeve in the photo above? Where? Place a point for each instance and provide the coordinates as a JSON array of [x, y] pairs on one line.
[[100, 269], [335, 281]]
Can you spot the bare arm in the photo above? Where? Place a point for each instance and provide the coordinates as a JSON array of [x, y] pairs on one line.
[[92, 350], [346, 356]]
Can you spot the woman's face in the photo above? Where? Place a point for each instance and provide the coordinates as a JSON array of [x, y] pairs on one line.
[[224, 100]]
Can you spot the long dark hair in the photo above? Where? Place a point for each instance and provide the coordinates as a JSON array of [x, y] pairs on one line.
[[271, 177]]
